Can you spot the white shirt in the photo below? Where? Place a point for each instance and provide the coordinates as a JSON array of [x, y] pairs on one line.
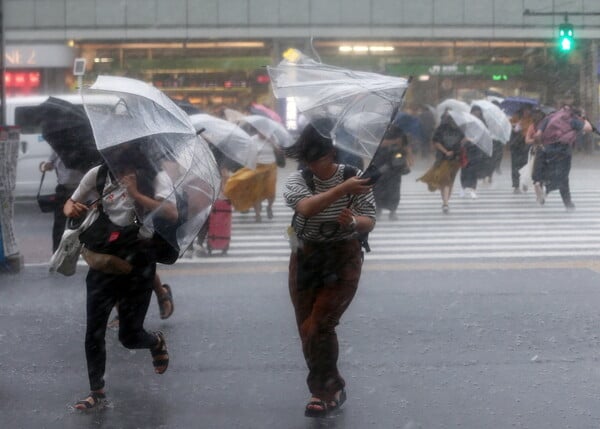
[[117, 204], [266, 153]]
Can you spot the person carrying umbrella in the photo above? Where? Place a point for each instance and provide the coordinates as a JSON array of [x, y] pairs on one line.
[[128, 276], [557, 132], [67, 180], [447, 141], [332, 208], [393, 159]]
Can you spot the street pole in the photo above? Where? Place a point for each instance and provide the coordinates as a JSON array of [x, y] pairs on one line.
[[2, 67]]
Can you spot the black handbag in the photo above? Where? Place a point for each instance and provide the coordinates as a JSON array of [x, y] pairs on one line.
[[48, 202], [103, 236]]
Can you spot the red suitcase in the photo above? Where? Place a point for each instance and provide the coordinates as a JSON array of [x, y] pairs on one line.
[[219, 227]]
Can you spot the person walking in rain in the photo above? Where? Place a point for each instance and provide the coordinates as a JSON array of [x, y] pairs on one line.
[[557, 132], [519, 151], [393, 159], [447, 141], [125, 269], [333, 207], [68, 180], [473, 161]]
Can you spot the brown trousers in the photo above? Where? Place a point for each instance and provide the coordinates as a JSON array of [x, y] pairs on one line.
[[318, 309]]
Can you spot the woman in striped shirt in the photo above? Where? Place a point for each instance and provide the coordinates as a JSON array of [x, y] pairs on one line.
[[332, 209]]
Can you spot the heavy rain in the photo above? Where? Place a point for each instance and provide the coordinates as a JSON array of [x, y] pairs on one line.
[[299, 214]]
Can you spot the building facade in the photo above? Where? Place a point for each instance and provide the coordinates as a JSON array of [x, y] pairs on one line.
[[214, 52]]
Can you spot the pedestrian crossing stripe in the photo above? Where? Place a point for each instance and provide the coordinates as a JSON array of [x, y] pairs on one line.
[[498, 225]]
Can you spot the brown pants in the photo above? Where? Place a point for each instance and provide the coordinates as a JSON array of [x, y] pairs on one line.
[[318, 311]]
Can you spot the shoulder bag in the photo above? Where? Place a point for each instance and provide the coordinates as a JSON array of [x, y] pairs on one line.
[[48, 202]]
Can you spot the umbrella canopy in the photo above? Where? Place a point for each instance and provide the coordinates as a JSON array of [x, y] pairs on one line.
[[67, 129], [338, 95], [270, 129], [260, 109], [187, 107], [451, 104], [496, 120], [138, 127], [230, 139], [474, 130], [512, 105], [233, 115]]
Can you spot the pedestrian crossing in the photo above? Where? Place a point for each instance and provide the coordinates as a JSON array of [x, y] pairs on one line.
[[498, 225]]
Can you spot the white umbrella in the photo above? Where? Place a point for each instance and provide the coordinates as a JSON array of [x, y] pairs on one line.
[[234, 142], [474, 130], [451, 104], [156, 135], [269, 128], [496, 120], [336, 94]]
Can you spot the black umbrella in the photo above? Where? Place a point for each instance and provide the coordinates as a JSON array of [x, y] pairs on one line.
[[66, 128]]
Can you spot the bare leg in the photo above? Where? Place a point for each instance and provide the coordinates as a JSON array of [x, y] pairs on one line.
[[164, 297]]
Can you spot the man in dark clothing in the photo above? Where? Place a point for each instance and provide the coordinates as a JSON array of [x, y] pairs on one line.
[[558, 133]]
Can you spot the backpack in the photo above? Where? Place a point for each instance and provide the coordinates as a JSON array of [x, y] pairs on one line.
[[349, 171], [163, 251], [559, 127], [103, 236]]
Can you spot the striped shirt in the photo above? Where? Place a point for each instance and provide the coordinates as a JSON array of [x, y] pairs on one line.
[[317, 227]]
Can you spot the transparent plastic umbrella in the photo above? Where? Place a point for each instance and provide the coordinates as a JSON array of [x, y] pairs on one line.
[[138, 127], [338, 95], [234, 142], [451, 104], [496, 120], [474, 130], [269, 128]]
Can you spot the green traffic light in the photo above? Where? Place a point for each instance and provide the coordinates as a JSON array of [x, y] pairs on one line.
[[566, 40]]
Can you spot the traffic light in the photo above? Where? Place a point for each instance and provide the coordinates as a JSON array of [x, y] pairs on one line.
[[566, 37]]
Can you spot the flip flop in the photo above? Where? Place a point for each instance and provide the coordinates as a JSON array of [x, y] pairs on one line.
[[98, 401], [164, 298]]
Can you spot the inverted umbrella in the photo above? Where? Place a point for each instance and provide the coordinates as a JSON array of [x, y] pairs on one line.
[[67, 129], [230, 139], [338, 95], [473, 129], [138, 127], [496, 120]]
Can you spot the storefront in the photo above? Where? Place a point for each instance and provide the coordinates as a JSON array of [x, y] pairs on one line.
[[38, 69]]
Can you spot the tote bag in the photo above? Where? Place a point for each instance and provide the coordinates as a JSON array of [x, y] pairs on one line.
[[64, 260]]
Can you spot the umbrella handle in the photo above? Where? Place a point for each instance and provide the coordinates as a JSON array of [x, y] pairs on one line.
[[200, 131]]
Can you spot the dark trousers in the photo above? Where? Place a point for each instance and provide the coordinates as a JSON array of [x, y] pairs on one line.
[[133, 293], [63, 193], [552, 167], [318, 311], [518, 158]]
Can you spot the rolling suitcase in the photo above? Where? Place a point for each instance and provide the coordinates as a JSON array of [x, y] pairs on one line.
[[219, 227]]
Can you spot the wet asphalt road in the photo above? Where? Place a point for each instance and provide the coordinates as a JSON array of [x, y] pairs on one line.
[[419, 349]]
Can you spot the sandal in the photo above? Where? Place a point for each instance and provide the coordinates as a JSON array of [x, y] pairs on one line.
[[309, 411], [160, 355], [337, 403], [98, 400], [166, 297]]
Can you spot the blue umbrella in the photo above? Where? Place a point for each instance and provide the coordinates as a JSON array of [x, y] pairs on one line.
[[512, 105]]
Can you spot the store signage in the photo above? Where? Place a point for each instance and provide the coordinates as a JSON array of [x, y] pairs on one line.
[[455, 69], [38, 56]]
